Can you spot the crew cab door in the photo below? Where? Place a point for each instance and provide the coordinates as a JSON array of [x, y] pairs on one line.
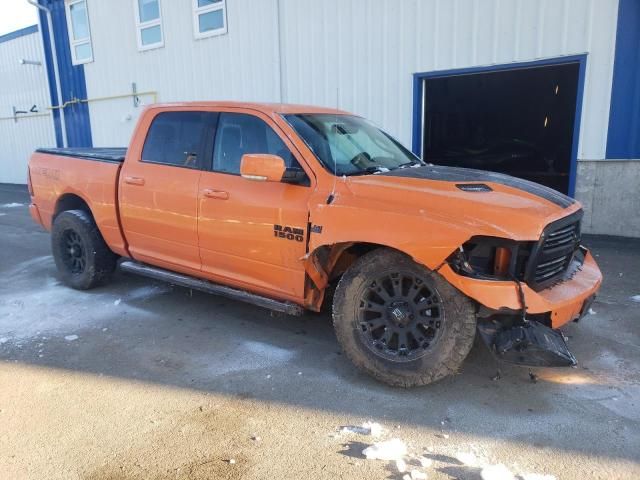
[[159, 187], [242, 221]]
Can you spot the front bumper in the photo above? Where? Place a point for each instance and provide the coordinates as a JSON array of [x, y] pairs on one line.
[[564, 302]]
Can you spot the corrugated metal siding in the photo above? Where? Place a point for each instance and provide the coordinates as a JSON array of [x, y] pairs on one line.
[[358, 54], [22, 86], [242, 65], [368, 50]]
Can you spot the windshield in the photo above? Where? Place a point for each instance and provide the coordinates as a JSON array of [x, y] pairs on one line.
[[349, 145]]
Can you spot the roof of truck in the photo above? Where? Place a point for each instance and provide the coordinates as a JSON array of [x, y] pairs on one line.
[[268, 108]]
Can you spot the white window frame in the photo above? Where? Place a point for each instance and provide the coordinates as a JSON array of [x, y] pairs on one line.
[[197, 11], [151, 23], [72, 42]]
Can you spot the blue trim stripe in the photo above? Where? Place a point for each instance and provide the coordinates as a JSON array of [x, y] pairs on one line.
[[623, 139], [418, 79], [72, 79], [18, 33]]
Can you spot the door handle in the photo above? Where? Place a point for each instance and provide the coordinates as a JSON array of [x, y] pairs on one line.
[[134, 180], [218, 194]]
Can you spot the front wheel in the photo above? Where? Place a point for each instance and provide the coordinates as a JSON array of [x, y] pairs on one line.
[[81, 254], [401, 323]]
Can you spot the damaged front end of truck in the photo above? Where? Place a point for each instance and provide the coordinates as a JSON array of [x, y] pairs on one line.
[[526, 290]]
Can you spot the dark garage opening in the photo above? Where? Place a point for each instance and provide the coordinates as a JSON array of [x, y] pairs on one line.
[[519, 122]]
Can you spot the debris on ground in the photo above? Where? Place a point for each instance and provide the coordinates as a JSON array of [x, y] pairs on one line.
[[496, 472], [425, 462], [592, 311], [497, 376], [3, 340], [393, 449], [231, 461], [117, 302], [256, 438], [533, 377], [401, 465], [635, 298], [11, 205], [368, 428], [537, 476], [71, 338]]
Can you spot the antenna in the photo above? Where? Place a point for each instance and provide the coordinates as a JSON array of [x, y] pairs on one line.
[[335, 161]]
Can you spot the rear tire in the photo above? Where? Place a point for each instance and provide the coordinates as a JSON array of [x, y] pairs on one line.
[[81, 254], [401, 323]]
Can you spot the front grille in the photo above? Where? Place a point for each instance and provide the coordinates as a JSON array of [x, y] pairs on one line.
[[553, 254]]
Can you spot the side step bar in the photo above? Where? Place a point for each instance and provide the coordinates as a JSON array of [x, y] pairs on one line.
[[209, 287]]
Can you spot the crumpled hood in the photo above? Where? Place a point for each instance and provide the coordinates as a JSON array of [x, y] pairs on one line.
[[514, 208]]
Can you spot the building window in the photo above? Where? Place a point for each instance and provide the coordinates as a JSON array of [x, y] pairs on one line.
[[148, 24], [209, 18], [79, 32]]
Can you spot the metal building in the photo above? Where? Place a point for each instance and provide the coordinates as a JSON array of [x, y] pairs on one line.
[[543, 89]]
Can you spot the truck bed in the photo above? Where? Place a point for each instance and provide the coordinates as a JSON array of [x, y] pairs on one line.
[[103, 154]]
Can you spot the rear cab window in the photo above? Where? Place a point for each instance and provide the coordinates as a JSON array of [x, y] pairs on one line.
[[180, 139]]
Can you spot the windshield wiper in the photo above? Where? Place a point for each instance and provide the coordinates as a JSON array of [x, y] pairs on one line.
[[408, 164], [367, 171]]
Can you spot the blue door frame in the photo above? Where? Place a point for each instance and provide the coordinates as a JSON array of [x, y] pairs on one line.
[[418, 80]]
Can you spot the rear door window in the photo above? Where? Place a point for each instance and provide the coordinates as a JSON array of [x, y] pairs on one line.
[[180, 139], [239, 134]]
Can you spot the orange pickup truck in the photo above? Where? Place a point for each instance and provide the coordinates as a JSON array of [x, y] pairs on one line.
[[293, 207]]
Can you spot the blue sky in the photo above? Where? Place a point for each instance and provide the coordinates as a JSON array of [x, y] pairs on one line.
[[16, 14]]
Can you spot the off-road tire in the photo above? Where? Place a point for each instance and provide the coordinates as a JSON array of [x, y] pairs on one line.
[[440, 360], [98, 261]]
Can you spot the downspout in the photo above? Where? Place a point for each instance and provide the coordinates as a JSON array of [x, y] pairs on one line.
[[56, 73], [281, 66]]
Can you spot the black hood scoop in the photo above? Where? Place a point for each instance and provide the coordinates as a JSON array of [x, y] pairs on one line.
[[468, 175]]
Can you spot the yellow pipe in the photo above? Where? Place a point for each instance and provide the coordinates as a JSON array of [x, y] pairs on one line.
[[21, 116], [100, 99]]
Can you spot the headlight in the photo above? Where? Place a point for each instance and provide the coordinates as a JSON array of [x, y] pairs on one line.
[[491, 258]]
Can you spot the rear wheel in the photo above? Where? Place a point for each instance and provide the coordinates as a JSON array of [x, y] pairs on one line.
[[81, 254], [401, 323]]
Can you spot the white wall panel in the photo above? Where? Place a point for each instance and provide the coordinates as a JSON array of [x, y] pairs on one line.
[[383, 42], [241, 65], [22, 86], [358, 54]]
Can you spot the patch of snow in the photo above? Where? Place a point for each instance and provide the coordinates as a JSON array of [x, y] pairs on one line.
[[3, 340], [2, 214], [467, 458], [12, 205], [635, 298], [496, 472], [537, 476], [117, 302], [592, 311], [401, 465], [393, 449], [418, 475], [148, 291], [71, 338], [367, 428]]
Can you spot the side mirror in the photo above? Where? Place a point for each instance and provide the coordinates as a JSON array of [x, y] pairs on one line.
[[262, 167]]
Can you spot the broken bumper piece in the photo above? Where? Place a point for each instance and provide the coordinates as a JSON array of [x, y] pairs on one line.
[[532, 344]]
